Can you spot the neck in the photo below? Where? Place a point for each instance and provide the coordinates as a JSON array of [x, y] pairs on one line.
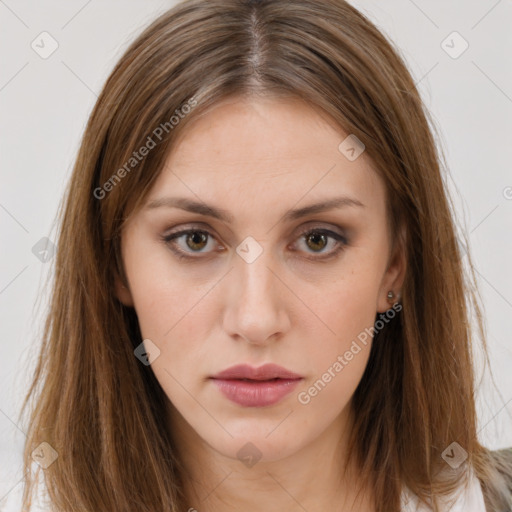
[[315, 477]]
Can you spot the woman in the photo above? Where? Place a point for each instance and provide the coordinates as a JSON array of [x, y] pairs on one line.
[[265, 307]]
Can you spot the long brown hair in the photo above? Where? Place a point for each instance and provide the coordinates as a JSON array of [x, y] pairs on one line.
[[100, 409]]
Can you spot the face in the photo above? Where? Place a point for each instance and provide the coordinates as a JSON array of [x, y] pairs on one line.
[[228, 264]]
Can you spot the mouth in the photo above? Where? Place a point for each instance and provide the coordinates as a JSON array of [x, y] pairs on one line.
[[256, 387], [266, 372]]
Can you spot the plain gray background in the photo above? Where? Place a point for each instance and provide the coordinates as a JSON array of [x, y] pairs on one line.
[[45, 104]]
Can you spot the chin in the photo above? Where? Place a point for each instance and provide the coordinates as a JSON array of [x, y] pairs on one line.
[[256, 449]]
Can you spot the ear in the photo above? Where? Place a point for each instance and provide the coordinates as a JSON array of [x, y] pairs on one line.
[[122, 291], [394, 276]]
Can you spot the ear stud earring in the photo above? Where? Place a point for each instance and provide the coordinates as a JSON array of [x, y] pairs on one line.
[[392, 298]]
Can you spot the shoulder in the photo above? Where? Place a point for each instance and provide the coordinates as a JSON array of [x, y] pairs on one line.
[[468, 497], [502, 460]]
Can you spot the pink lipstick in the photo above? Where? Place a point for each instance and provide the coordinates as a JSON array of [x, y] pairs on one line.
[[256, 387]]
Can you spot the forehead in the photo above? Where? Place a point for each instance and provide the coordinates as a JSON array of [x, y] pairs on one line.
[[241, 131], [263, 151]]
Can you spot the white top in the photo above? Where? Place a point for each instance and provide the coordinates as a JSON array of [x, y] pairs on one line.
[[468, 498]]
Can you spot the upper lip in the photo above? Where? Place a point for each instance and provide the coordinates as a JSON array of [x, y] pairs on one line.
[[265, 372]]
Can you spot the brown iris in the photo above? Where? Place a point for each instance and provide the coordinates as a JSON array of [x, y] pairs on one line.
[[317, 238], [197, 238]]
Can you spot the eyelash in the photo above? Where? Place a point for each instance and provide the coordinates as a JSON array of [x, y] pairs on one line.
[[340, 239]]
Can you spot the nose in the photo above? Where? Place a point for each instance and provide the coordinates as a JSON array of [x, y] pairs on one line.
[[255, 309]]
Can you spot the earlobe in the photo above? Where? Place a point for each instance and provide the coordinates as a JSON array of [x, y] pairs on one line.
[[123, 293], [390, 294], [393, 298]]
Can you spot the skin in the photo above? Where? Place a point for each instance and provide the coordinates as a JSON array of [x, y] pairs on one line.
[[258, 158]]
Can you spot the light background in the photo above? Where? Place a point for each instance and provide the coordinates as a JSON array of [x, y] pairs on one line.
[[45, 104]]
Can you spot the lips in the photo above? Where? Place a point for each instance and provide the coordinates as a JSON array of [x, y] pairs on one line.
[[265, 372], [256, 387]]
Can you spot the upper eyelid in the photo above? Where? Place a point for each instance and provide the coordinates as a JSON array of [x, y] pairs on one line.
[[311, 226]]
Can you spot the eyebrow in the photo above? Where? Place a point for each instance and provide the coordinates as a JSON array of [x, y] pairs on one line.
[[202, 208]]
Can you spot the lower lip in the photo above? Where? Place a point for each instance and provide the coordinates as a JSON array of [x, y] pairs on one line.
[[256, 393]]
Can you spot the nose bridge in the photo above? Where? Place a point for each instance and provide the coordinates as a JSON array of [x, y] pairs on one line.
[[255, 281], [255, 310]]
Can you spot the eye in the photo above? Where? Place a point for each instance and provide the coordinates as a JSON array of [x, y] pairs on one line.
[[318, 239], [186, 242], [193, 241]]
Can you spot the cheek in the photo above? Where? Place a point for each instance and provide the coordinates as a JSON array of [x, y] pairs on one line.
[[348, 305], [162, 294], [338, 359], [172, 318], [175, 311]]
